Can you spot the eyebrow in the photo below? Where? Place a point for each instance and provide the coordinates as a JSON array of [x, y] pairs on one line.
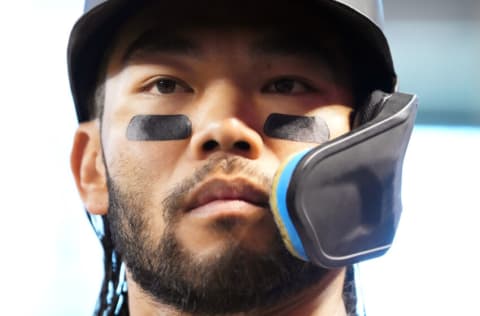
[[153, 41], [272, 43]]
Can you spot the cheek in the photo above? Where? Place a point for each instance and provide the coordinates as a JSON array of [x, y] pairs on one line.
[[311, 129], [142, 159], [144, 148], [147, 173], [283, 149], [337, 118], [159, 128], [146, 168]]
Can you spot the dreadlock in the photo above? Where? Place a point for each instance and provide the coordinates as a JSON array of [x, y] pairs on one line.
[[112, 300]]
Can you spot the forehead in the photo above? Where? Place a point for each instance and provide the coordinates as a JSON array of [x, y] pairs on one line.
[[271, 26]]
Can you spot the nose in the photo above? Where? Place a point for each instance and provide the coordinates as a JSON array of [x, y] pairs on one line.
[[229, 135]]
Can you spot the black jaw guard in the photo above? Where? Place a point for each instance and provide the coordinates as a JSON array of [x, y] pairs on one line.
[[340, 203]]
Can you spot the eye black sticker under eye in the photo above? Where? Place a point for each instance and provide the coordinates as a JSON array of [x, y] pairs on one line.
[[159, 127], [307, 129]]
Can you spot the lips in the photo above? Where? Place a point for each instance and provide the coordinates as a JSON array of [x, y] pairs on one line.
[[228, 190]]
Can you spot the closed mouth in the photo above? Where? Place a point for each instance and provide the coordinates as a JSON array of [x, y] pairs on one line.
[[228, 190]]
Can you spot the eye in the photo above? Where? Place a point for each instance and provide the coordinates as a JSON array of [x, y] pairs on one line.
[[168, 86], [288, 86]]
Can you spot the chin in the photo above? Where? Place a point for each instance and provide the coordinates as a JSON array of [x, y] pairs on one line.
[[226, 234]]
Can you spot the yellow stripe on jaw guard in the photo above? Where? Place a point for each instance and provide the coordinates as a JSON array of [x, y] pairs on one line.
[[278, 219], [278, 205]]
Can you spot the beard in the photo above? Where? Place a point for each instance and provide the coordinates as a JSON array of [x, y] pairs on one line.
[[235, 280]]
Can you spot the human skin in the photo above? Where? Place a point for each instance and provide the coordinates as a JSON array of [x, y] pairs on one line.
[[227, 89]]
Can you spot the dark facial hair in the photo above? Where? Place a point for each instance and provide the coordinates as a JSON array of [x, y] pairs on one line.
[[238, 280]]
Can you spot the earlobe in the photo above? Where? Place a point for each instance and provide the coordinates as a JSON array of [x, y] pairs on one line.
[[88, 168]]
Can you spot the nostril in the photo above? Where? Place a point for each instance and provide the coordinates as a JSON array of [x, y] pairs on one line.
[[242, 145], [210, 145]]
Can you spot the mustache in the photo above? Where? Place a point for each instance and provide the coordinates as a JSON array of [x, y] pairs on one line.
[[176, 199]]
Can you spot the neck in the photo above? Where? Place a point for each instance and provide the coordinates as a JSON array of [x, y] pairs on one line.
[[322, 299]]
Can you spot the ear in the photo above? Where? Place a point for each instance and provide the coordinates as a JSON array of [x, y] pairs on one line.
[[88, 168]]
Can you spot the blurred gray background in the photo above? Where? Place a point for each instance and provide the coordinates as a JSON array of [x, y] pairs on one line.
[[436, 49]]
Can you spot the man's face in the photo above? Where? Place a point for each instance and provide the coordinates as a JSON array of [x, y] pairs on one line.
[[191, 215]]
